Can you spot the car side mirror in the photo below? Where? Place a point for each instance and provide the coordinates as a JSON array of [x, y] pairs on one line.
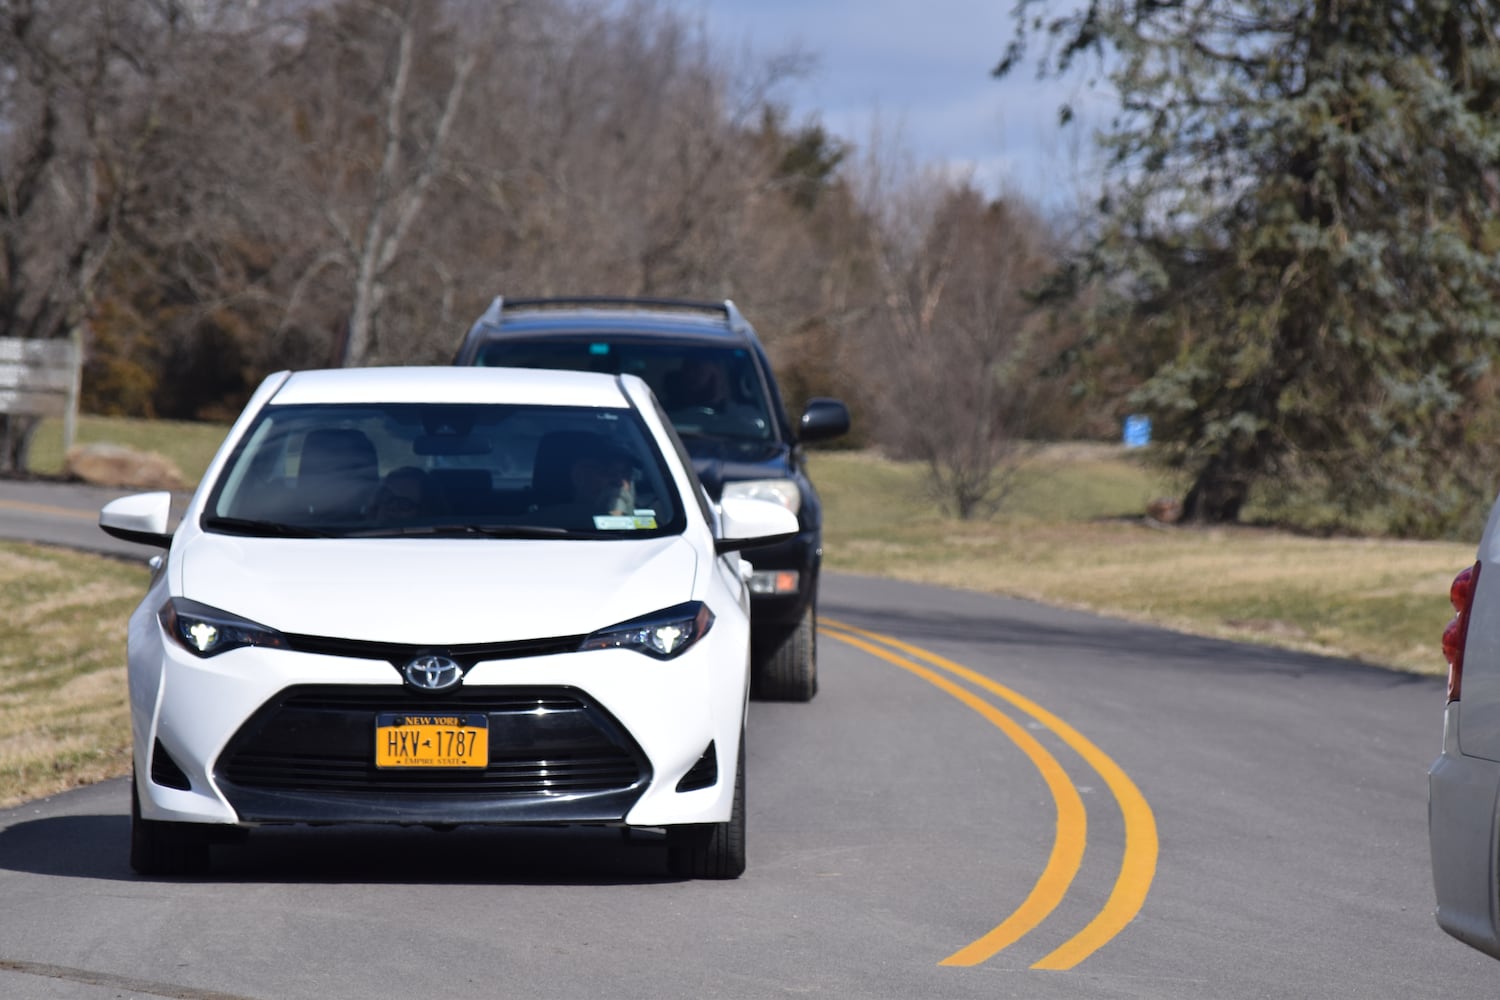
[[141, 518], [746, 523], [823, 419]]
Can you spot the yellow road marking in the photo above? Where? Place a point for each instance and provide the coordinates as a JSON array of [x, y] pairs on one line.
[[41, 508], [1138, 864], [1072, 819]]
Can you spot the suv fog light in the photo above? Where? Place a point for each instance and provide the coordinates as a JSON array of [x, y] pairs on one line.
[[775, 581]]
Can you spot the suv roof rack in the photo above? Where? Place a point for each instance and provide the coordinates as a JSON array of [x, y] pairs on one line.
[[726, 307]]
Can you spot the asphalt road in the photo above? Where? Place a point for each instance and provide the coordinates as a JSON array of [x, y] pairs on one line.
[[63, 513], [988, 798]]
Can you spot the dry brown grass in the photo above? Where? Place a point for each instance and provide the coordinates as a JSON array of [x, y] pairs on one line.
[[63, 716], [1075, 537]]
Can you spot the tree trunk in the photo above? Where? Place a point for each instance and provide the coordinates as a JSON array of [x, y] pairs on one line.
[[1221, 488], [16, 431]]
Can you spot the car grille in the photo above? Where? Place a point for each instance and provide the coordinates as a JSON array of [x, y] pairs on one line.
[[554, 755], [466, 655]]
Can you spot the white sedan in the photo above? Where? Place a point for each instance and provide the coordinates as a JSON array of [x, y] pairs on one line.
[[441, 596]]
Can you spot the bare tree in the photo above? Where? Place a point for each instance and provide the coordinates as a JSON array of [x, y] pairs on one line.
[[352, 180], [624, 159], [387, 174], [400, 185], [362, 103], [192, 309], [950, 353], [76, 96]]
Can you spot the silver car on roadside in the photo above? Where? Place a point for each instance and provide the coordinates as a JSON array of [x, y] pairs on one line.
[[1463, 809]]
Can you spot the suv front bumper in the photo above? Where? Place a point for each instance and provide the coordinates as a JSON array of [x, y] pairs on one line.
[[776, 598]]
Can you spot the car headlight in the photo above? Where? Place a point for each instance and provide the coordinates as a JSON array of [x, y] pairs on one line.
[[663, 634], [205, 631], [782, 491]]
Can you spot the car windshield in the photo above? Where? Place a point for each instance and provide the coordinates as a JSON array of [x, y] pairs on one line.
[[461, 470], [711, 391]]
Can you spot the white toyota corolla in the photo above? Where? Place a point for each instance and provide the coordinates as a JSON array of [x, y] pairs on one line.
[[443, 596]]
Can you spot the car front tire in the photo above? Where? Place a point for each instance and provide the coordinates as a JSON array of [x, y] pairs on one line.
[[786, 662], [712, 850], [158, 848]]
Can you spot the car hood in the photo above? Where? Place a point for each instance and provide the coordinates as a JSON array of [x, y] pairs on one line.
[[720, 461], [436, 591]]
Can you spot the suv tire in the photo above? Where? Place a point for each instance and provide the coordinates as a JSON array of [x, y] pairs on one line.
[[785, 662]]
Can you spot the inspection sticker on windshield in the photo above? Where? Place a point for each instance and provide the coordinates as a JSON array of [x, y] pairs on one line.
[[641, 520]]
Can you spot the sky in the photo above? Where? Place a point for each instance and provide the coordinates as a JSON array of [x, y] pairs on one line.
[[919, 70]]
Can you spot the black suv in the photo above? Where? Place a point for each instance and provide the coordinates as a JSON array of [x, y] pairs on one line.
[[711, 376]]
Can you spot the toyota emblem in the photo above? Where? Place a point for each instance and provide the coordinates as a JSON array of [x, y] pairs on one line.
[[432, 673]]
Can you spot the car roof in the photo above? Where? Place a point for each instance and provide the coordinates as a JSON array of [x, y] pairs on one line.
[[452, 385], [700, 323]]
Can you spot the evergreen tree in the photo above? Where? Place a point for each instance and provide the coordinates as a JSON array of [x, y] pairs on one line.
[[1296, 244]]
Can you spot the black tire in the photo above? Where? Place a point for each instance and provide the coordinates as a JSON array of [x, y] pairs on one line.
[[158, 848], [785, 662], [712, 850]]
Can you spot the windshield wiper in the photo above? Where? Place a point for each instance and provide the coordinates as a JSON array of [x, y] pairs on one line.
[[265, 529], [486, 530]]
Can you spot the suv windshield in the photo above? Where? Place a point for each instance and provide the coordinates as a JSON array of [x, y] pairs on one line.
[[470, 470], [706, 390]]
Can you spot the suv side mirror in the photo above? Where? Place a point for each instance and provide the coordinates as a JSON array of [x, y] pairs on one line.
[[824, 418]]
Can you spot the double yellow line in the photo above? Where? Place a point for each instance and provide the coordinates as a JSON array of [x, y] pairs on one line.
[[1138, 864]]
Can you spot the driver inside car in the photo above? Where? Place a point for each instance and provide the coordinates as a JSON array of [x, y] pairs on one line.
[[604, 481]]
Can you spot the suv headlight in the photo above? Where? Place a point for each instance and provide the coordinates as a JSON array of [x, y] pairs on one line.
[[205, 631], [782, 491], [663, 634]]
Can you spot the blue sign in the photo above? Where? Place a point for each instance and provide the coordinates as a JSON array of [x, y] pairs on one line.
[[1137, 431]]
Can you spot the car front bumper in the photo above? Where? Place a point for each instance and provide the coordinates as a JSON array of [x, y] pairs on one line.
[[260, 735], [781, 607]]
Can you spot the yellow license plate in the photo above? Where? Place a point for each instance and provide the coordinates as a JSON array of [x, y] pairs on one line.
[[403, 740]]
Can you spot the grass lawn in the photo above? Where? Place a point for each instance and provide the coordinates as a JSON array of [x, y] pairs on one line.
[[63, 716], [1073, 535], [189, 446]]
